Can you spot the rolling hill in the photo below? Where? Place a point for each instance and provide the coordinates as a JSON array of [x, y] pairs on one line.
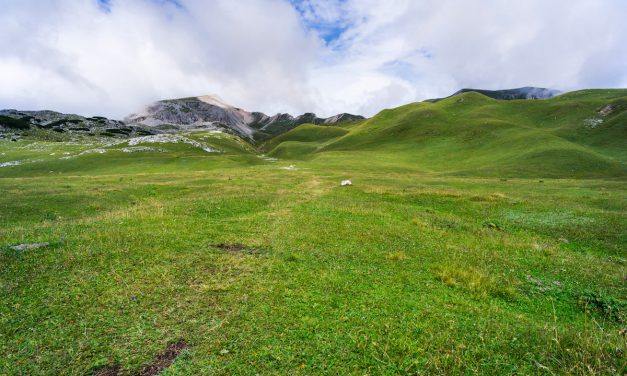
[[579, 134]]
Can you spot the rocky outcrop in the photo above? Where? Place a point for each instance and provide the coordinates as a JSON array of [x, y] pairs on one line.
[[340, 118], [211, 112], [197, 112], [21, 121]]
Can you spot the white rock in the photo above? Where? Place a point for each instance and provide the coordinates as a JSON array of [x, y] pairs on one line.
[[12, 163], [346, 183], [169, 138], [23, 247], [136, 149], [593, 122]]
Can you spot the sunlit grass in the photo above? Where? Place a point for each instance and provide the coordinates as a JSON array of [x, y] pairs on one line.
[[409, 271]]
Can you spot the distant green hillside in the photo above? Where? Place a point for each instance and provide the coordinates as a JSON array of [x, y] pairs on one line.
[[306, 137], [579, 134]]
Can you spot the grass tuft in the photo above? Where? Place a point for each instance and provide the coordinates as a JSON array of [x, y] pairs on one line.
[[476, 282], [397, 256]]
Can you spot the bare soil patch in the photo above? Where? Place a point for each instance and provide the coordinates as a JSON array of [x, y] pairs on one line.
[[165, 359], [161, 362], [236, 248]]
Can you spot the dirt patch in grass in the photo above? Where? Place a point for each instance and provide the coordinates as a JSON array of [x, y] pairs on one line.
[[236, 248], [161, 362], [165, 359]]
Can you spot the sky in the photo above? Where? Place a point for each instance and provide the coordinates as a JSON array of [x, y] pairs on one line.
[[113, 57]]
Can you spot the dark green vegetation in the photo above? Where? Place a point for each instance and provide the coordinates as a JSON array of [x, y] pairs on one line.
[[11, 123], [451, 254], [277, 127]]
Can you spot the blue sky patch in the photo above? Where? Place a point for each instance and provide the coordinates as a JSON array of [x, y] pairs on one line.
[[105, 5], [329, 31]]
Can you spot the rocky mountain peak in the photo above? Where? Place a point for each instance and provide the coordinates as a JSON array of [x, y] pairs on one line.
[[214, 100], [212, 112]]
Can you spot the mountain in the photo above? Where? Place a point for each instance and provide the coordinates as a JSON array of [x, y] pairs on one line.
[[20, 121], [211, 112], [580, 134], [527, 92]]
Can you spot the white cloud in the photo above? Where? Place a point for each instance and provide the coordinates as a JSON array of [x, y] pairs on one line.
[[71, 56], [326, 56], [400, 51]]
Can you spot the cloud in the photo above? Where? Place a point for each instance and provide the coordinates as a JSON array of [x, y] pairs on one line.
[[402, 51], [111, 57]]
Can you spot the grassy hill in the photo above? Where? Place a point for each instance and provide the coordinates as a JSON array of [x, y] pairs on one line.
[[471, 134], [266, 265], [302, 140], [86, 156]]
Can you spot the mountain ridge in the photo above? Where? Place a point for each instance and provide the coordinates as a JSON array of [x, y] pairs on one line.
[[526, 92], [16, 121], [211, 112]]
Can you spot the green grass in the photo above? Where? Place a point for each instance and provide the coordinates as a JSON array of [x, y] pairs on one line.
[[314, 134], [418, 268], [473, 135]]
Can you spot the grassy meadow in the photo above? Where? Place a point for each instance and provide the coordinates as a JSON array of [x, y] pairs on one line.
[[459, 249]]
